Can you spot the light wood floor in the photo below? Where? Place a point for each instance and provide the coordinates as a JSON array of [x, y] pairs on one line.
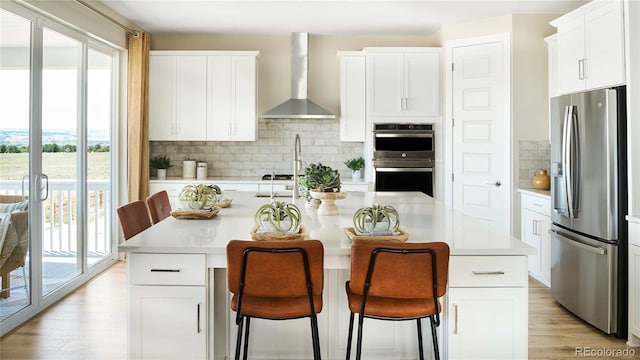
[[91, 324]]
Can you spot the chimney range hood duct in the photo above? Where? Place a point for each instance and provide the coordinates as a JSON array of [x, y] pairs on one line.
[[298, 107]]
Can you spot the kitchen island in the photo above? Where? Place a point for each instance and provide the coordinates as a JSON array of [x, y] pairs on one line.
[[179, 303]]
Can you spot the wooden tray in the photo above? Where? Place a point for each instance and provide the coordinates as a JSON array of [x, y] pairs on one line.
[[195, 214], [224, 203], [402, 237], [278, 236]]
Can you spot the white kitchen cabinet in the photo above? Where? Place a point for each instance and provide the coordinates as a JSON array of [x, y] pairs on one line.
[[403, 82], [552, 64], [535, 224], [202, 95], [232, 97], [353, 111], [486, 308], [177, 97], [158, 282], [487, 323], [634, 282], [591, 47]]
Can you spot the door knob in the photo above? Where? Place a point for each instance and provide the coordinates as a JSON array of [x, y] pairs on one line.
[[496, 184]]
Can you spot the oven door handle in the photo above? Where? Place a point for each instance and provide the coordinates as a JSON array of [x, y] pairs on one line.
[[396, 135], [412, 169]]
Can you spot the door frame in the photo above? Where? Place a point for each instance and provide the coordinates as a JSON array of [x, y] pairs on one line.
[[447, 186]]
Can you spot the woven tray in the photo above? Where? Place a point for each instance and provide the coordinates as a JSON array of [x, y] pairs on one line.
[[195, 214], [278, 236], [402, 237], [224, 203]]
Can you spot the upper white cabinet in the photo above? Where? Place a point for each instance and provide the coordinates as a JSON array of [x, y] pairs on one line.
[[177, 97], [591, 47], [552, 64], [403, 82], [232, 98], [202, 95], [353, 112]]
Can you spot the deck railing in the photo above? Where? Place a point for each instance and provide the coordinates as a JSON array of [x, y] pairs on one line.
[[61, 215]]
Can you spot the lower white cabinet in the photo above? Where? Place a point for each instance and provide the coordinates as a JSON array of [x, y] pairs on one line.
[[634, 283], [535, 224], [167, 306], [487, 323], [168, 322], [487, 308]]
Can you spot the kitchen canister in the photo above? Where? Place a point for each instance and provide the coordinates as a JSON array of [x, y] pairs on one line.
[[202, 170], [188, 169], [541, 180]]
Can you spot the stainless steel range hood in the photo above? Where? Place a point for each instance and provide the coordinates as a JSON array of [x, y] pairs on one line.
[[298, 107]]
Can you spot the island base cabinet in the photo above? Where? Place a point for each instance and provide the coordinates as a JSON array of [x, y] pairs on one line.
[[487, 323], [634, 291], [168, 322]]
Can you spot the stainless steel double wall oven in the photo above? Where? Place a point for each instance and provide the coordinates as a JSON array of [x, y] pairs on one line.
[[404, 157]]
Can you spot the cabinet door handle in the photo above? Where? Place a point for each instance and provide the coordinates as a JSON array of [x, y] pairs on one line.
[[166, 270], [455, 319], [198, 328], [404, 103], [490, 272]]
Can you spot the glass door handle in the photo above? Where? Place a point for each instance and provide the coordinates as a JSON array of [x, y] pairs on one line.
[[44, 187]]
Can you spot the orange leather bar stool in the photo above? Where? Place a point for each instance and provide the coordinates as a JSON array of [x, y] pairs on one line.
[[134, 218], [275, 280], [392, 281], [159, 206]]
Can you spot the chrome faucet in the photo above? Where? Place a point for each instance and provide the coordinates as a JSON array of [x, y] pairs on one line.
[[297, 166]]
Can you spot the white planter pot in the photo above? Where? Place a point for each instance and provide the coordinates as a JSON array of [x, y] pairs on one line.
[[356, 174], [162, 173]]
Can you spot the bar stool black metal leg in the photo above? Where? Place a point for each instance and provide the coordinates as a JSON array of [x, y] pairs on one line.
[[436, 351], [246, 338], [359, 344], [315, 337], [420, 346], [350, 336], [239, 339]]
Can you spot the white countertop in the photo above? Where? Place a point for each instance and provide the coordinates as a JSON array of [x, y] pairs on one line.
[[424, 218], [536, 192]]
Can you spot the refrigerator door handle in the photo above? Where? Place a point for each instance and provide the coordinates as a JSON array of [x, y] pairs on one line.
[[593, 249], [566, 161], [570, 159]]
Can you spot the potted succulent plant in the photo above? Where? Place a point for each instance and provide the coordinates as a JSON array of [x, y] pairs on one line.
[[322, 183], [321, 178], [376, 220], [355, 164], [197, 196], [278, 216], [161, 163]]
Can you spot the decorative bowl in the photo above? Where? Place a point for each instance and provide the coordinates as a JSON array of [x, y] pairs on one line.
[[328, 201]]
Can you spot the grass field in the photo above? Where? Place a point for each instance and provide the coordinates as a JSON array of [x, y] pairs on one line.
[[55, 165]]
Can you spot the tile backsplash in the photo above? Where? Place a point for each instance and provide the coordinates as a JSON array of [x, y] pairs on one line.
[[272, 150], [532, 155]]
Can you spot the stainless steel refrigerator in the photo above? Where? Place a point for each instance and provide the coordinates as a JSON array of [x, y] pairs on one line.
[[589, 202]]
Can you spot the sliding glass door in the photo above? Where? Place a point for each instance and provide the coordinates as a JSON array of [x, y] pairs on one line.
[[57, 105]]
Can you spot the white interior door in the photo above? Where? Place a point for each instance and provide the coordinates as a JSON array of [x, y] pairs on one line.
[[480, 131]]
